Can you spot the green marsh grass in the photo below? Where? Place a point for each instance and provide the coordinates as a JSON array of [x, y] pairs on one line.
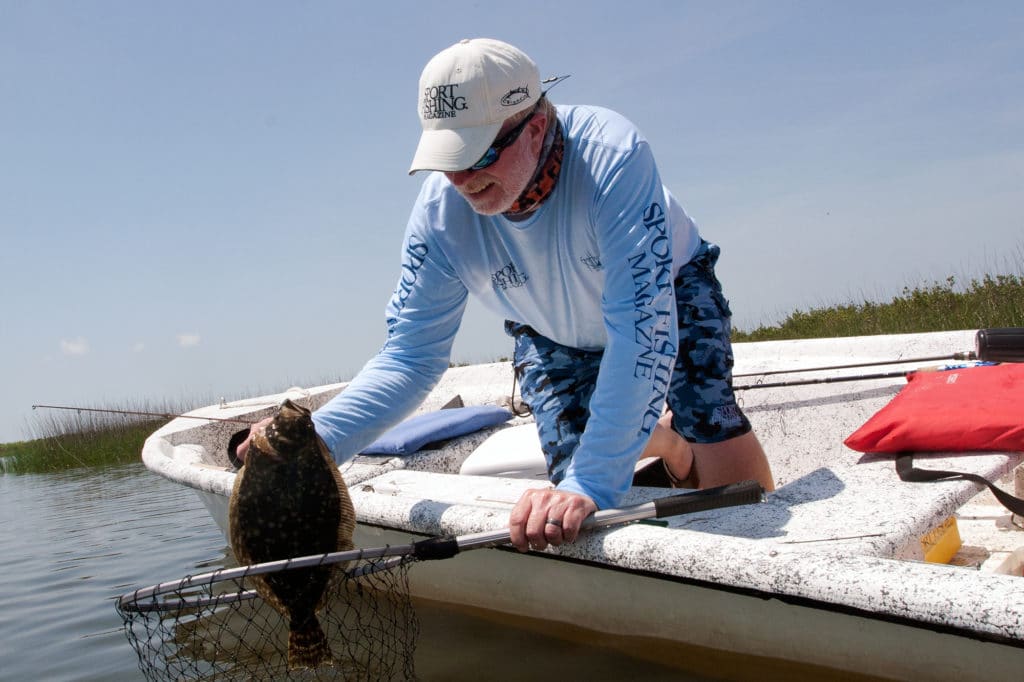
[[991, 301], [70, 439]]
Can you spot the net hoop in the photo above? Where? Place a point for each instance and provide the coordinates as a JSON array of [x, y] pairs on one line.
[[145, 598]]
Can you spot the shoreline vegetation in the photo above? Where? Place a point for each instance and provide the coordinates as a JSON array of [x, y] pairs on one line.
[[72, 439], [992, 301]]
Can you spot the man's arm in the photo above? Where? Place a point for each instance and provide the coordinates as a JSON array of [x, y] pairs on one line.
[[638, 304], [423, 317]]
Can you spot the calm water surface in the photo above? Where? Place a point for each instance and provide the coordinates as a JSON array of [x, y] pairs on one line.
[[70, 543]]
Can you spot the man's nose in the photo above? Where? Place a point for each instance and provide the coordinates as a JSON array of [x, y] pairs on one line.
[[459, 178]]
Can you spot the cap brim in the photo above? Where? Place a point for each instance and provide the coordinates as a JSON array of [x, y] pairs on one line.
[[453, 150]]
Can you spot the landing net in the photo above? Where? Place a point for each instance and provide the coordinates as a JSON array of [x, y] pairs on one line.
[[219, 629]]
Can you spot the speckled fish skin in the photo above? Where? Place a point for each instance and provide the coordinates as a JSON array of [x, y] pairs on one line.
[[290, 500]]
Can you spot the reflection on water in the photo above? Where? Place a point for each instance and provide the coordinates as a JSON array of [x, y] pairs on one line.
[[72, 542]]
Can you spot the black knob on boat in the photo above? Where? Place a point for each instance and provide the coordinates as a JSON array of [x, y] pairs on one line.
[[1005, 344]]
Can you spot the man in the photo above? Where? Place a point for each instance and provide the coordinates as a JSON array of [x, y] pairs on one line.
[[556, 219]]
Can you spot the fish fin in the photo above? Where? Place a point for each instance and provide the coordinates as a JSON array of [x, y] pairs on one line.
[[307, 645]]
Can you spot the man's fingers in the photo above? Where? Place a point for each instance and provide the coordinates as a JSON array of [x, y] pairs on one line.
[[517, 523], [242, 448], [545, 517], [553, 530]]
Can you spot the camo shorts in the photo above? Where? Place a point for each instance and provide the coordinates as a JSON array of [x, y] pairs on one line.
[[557, 381]]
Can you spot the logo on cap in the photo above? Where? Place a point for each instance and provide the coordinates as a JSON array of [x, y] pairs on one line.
[[440, 101], [516, 96]]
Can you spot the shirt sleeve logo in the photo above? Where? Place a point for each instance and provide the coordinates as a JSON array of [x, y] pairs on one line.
[[412, 260], [592, 262]]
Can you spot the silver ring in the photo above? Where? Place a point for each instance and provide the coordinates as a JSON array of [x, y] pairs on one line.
[[554, 522]]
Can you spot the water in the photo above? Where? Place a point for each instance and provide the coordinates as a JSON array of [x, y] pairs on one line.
[[71, 543]]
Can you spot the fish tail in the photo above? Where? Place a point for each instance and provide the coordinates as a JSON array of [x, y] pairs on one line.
[[307, 645]]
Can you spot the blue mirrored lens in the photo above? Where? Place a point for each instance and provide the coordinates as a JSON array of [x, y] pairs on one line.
[[489, 157]]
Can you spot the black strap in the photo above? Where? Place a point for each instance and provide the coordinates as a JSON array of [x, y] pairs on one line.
[[906, 470]]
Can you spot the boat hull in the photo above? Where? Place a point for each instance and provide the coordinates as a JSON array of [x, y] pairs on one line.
[[827, 574]]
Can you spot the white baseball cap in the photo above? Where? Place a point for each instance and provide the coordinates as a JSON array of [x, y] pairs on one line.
[[466, 93]]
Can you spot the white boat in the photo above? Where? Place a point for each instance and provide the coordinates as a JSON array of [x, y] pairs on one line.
[[827, 574]]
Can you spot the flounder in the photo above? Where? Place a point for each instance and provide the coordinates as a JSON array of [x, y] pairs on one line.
[[290, 500]]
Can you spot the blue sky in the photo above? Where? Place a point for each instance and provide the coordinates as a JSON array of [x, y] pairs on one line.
[[207, 199]]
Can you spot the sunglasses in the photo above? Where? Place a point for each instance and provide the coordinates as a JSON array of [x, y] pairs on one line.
[[493, 152]]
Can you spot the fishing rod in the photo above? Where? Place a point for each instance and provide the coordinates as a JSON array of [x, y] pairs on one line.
[[997, 344], [165, 415], [993, 345], [964, 355], [827, 380]]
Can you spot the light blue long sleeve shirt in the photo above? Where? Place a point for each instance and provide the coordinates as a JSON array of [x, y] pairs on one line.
[[592, 268]]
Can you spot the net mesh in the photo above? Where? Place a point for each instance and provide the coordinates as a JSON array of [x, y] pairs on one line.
[[222, 630]]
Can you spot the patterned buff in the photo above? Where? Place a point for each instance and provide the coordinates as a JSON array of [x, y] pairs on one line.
[[543, 182]]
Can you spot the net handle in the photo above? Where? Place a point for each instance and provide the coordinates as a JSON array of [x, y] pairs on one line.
[[745, 492], [731, 495], [734, 494]]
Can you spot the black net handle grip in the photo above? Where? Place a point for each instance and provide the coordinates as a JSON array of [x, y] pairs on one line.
[[1000, 344], [732, 495]]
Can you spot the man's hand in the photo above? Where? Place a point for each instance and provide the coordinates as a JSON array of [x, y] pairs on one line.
[[545, 516], [243, 448]]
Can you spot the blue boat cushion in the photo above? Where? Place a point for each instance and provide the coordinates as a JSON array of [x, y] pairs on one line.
[[415, 432], [956, 410]]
